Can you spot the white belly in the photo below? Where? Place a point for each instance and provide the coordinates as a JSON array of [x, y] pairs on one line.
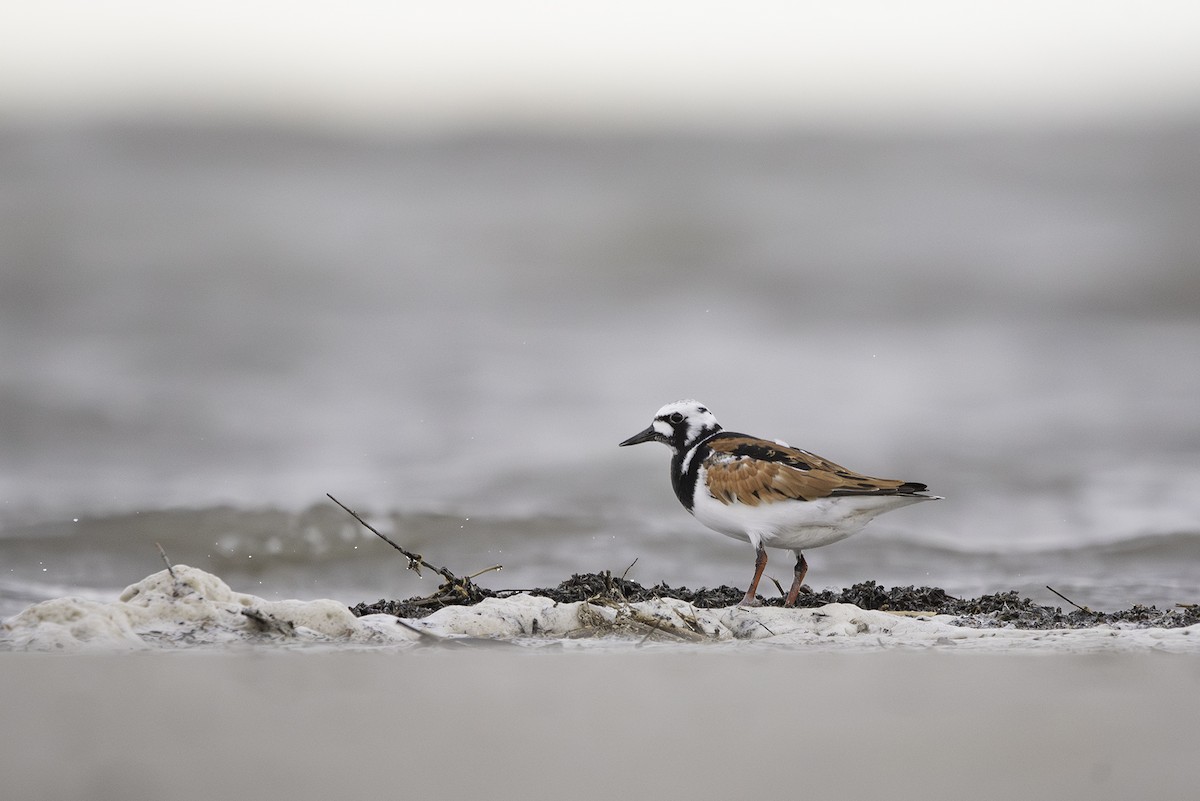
[[795, 525]]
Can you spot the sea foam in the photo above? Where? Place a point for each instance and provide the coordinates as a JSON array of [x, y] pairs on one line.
[[186, 608]]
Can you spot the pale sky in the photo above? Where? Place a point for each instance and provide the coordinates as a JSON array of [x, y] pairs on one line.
[[448, 64]]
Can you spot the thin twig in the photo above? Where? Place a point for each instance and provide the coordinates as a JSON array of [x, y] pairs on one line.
[[415, 561], [422, 634], [485, 570], [778, 586], [656, 627], [1068, 600], [267, 624], [692, 622], [455, 590], [166, 561], [658, 624], [631, 564]]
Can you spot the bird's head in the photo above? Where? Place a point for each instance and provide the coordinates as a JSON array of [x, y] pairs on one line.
[[678, 425]]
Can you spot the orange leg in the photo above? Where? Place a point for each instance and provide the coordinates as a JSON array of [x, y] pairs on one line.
[[760, 564], [797, 579]]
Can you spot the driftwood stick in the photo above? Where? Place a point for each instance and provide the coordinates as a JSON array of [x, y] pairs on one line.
[[415, 561], [631, 564], [656, 627], [425, 636], [1068, 600], [455, 590], [166, 561]]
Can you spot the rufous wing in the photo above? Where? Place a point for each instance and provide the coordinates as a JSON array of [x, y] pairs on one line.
[[748, 470]]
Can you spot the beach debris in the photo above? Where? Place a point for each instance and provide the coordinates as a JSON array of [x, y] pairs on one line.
[[196, 608], [1068, 600], [266, 623], [166, 561], [454, 590], [604, 591], [606, 609]]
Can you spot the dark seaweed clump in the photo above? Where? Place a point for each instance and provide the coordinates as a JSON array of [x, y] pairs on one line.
[[416, 607], [987, 611]]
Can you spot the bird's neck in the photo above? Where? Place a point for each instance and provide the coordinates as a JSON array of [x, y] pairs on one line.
[[685, 469]]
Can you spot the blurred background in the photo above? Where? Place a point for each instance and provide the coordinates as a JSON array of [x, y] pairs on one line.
[[438, 259]]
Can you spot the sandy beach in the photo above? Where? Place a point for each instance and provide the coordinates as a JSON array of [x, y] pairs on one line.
[[657, 722]]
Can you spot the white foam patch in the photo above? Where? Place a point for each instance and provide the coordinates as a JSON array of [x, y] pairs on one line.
[[509, 618], [190, 608], [195, 608]]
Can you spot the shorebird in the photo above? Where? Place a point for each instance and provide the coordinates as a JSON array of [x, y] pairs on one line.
[[765, 492]]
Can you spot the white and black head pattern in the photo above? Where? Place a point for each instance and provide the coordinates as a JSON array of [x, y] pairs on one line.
[[679, 425]]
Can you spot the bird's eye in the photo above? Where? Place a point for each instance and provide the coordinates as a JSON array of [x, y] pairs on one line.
[[676, 418]]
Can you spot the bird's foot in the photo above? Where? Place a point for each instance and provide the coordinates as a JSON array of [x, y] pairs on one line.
[[750, 600]]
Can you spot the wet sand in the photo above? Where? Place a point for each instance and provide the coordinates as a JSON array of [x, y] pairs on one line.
[[503, 722]]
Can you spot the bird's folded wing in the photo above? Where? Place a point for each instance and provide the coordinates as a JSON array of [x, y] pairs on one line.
[[751, 471]]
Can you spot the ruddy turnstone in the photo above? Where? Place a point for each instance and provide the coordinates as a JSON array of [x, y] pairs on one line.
[[767, 493]]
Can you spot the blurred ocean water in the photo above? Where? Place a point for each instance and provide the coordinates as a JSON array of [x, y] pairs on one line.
[[203, 331]]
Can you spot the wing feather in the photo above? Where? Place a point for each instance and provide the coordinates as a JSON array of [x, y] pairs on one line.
[[748, 470]]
